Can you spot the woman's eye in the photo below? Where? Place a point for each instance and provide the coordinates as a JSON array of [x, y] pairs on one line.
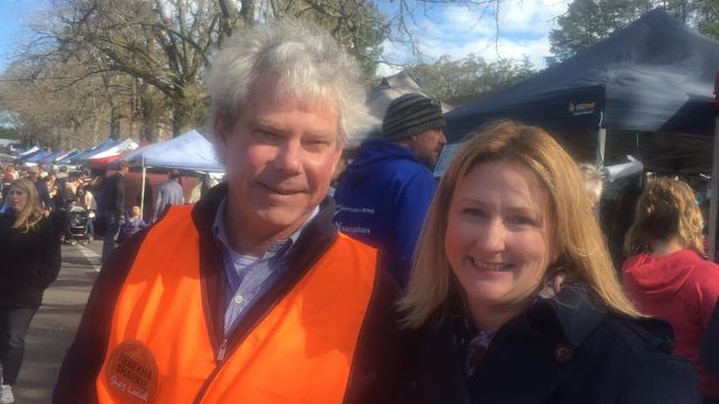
[[472, 212], [523, 221]]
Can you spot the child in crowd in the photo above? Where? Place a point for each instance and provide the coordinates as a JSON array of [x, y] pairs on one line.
[[133, 224]]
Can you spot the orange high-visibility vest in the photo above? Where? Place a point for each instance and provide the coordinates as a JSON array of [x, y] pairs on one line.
[[159, 348]]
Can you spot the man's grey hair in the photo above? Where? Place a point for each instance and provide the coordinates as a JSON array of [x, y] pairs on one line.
[[310, 64]]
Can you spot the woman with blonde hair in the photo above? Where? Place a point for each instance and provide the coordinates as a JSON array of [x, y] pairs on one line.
[[666, 274], [513, 292], [30, 251]]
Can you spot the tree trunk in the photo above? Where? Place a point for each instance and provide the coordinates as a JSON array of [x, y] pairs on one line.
[[149, 117], [115, 122], [180, 117]]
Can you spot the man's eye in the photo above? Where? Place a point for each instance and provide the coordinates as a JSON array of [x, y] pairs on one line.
[[318, 144], [266, 135]]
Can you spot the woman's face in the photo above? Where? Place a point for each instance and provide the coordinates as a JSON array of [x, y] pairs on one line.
[[499, 238], [17, 199]]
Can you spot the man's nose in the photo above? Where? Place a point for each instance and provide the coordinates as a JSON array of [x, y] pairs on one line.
[[288, 157]]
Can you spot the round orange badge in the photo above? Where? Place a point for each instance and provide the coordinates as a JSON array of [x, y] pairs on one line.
[[132, 374]]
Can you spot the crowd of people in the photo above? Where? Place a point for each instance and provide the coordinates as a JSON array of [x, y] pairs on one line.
[[493, 285], [40, 210]]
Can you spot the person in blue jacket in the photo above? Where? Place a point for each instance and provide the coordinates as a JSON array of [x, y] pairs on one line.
[[384, 193]]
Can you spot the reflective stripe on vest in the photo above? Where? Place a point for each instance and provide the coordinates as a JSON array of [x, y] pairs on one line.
[[301, 351]]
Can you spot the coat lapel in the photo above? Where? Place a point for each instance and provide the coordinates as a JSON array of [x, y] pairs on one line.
[[535, 354], [521, 366]]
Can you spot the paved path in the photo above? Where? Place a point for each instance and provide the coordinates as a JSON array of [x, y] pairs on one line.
[[54, 325]]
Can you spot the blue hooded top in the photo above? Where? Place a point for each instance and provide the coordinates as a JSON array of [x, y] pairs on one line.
[[382, 198]]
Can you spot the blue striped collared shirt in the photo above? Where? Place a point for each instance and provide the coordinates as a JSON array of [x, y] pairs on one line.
[[249, 278]]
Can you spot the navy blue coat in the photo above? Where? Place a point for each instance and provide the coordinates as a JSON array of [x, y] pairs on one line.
[[564, 353], [382, 199]]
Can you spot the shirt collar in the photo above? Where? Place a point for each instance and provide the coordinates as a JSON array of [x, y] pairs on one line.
[[278, 248]]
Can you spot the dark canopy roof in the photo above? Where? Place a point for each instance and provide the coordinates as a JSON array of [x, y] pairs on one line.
[[656, 75]]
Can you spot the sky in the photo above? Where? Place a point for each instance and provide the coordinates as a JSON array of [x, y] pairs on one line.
[[521, 29], [13, 14], [455, 30]]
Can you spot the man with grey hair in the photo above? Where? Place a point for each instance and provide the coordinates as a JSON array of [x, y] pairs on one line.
[[252, 295]]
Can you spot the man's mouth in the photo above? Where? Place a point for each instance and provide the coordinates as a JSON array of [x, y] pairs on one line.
[[279, 191]]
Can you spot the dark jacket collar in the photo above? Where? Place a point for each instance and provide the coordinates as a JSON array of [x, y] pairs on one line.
[[569, 316], [578, 311], [575, 310]]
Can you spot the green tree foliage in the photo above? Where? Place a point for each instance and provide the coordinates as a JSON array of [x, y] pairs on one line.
[[708, 18], [588, 22], [461, 80]]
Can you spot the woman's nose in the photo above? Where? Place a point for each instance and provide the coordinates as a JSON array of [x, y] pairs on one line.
[[492, 237]]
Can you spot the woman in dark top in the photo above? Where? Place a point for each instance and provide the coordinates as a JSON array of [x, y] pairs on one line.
[[513, 293], [30, 262]]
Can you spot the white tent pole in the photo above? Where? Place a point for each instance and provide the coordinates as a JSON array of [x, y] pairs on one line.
[[142, 190], [601, 145], [714, 187], [714, 193]]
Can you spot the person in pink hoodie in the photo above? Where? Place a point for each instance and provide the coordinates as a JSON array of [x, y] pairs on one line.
[[667, 275]]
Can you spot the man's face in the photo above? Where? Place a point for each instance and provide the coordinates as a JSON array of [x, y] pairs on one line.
[[280, 155], [428, 145], [33, 173]]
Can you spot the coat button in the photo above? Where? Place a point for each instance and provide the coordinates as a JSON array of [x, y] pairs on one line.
[[563, 353]]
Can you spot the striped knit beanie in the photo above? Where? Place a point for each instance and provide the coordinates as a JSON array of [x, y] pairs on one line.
[[411, 114]]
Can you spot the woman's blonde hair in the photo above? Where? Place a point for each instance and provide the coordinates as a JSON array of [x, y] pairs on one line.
[[667, 208], [33, 212], [593, 180], [582, 252]]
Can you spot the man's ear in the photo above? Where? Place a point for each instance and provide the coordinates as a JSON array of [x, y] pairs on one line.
[[221, 131], [339, 163]]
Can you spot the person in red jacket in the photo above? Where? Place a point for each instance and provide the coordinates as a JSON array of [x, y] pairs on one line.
[[667, 275]]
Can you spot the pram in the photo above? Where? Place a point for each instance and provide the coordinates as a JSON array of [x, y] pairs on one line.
[[76, 228]]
